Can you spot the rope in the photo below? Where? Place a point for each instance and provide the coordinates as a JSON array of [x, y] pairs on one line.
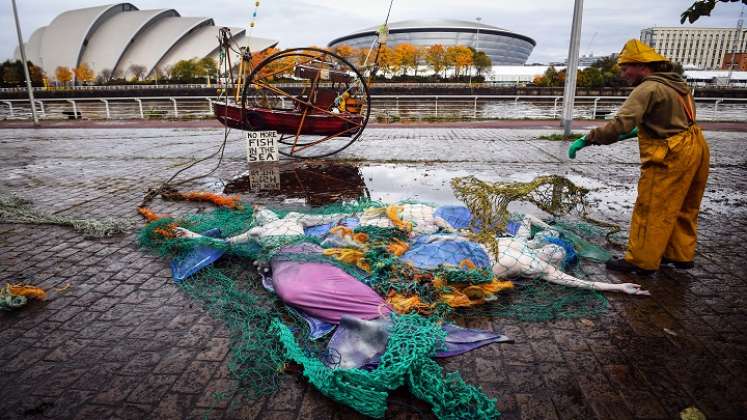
[[14, 209]]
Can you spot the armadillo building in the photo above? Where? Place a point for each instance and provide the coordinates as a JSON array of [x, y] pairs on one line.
[[504, 47], [117, 36]]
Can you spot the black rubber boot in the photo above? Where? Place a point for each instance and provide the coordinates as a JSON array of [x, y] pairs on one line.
[[622, 266], [682, 265]]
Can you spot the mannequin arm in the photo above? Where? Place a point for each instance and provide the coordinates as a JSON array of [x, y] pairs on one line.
[[553, 275], [186, 233]]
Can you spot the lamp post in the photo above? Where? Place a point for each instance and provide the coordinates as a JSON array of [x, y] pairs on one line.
[[25, 65], [477, 42], [569, 92]]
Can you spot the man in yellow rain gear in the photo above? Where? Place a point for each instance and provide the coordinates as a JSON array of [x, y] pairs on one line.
[[674, 161]]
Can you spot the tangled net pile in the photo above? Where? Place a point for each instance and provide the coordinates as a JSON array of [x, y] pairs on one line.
[[263, 344], [489, 202]]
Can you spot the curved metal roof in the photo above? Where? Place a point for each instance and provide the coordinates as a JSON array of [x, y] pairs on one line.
[[441, 25], [204, 43], [67, 36], [33, 47], [110, 41], [199, 43], [436, 23], [154, 43], [118, 35]]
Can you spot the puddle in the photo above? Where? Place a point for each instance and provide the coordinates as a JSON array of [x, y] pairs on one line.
[[317, 183], [313, 184], [320, 183], [323, 183], [392, 183]]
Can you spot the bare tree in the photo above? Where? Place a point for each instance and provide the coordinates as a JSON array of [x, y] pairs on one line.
[[167, 71], [137, 71], [104, 76], [157, 74]]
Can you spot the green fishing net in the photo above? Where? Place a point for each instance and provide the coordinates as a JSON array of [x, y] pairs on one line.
[[256, 355], [407, 360], [14, 209]]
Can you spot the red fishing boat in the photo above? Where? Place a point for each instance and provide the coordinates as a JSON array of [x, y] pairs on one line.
[[316, 100], [287, 122]]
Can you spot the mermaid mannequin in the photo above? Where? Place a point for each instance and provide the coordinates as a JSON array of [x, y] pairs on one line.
[[518, 256]]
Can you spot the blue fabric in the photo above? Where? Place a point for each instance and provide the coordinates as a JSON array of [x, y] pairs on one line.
[[319, 231], [350, 222], [570, 253], [430, 251], [457, 216], [512, 227], [199, 258], [317, 327], [461, 340]]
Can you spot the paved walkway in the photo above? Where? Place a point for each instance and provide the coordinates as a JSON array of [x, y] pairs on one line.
[[117, 339]]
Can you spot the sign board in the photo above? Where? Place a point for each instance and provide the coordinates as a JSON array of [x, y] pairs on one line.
[[264, 179], [262, 146]]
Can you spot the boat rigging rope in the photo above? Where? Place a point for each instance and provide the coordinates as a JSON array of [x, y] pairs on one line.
[[382, 33]]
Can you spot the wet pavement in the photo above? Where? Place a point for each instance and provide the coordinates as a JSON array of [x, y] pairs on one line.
[[117, 339]]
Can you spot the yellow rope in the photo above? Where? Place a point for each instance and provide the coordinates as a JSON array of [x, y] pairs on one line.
[[349, 256], [392, 212]]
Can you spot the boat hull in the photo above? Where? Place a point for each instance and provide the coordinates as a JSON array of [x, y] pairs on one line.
[[287, 122]]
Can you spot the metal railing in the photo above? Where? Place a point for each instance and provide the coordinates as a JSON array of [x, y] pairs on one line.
[[740, 83], [385, 108], [300, 84]]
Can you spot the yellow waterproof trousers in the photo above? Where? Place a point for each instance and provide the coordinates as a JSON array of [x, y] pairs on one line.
[[674, 172]]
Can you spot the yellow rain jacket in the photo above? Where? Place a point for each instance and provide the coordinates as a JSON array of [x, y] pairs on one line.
[[674, 169]]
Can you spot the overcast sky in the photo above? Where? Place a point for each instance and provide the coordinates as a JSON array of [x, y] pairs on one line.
[[606, 24]]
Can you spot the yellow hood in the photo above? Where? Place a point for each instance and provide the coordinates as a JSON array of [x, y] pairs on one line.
[[636, 51]]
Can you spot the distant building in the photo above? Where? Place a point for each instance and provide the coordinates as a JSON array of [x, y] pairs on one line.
[[702, 48], [501, 45], [740, 61], [115, 37], [585, 60]]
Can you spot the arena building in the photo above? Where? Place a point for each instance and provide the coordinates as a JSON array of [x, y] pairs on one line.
[[501, 45], [117, 36]]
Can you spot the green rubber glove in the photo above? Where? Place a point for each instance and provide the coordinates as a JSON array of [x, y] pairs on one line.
[[633, 133], [577, 145]]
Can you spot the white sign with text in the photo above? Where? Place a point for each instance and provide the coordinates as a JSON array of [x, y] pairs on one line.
[[262, 146]]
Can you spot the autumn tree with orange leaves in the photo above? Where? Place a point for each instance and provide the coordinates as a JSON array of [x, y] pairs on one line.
[[459, 57], [435, 56], [63, 74], [84, 73], [405, 57], [345, 51]]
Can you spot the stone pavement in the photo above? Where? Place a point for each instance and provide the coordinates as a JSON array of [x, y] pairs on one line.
[[117, 339]]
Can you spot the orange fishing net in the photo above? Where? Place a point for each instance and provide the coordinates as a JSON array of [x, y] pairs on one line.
[[28, 291], [229, 201]]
